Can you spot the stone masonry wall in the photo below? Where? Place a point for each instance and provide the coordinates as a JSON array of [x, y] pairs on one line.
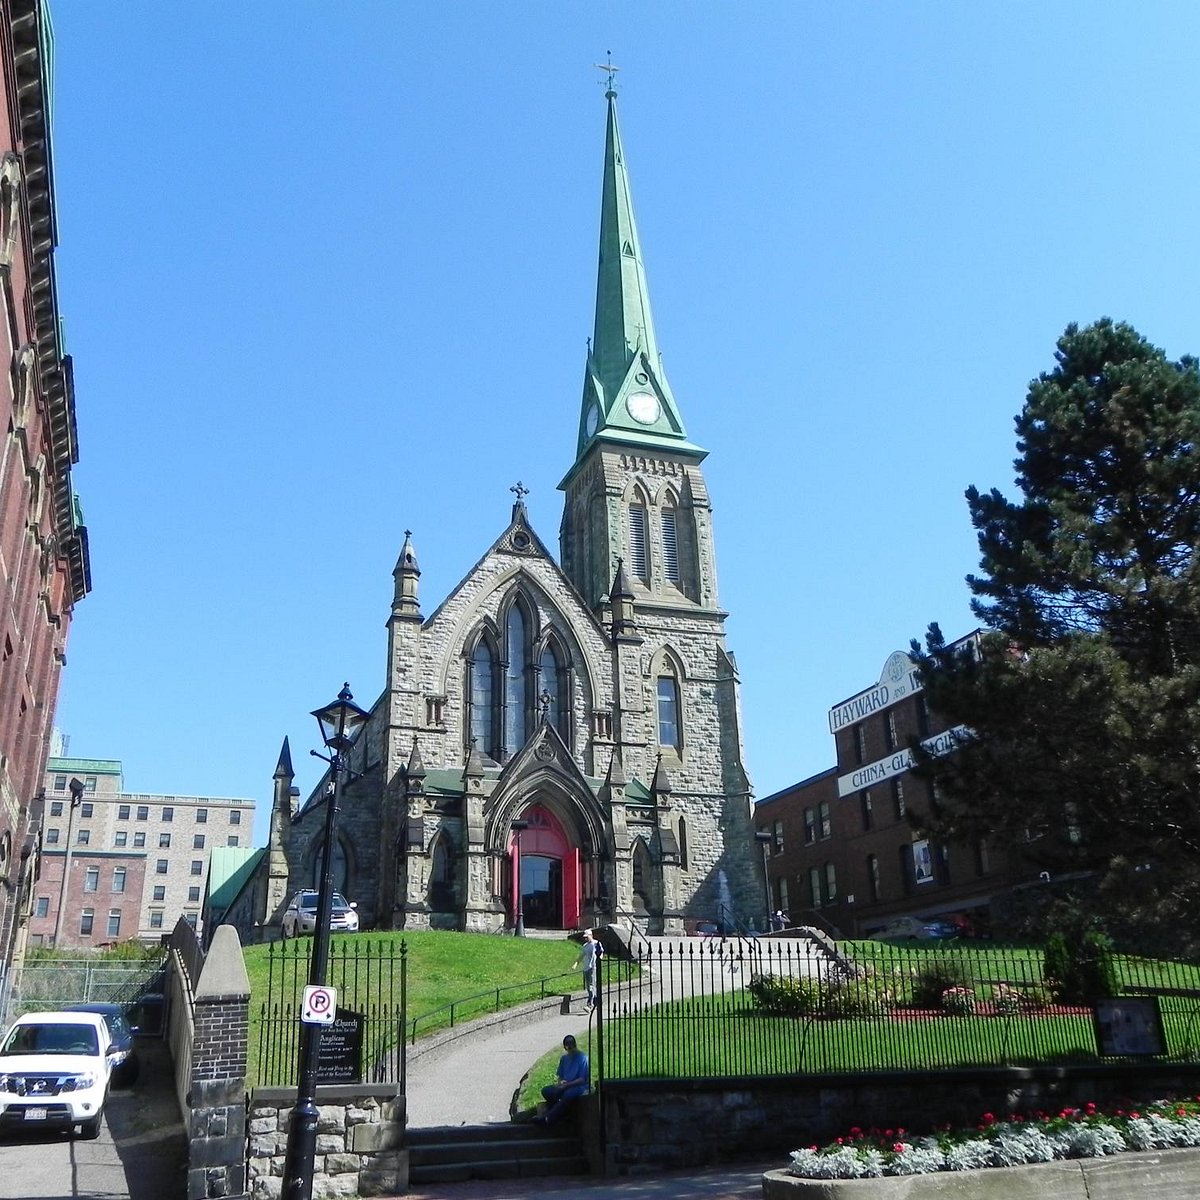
[[652, 1125], [360, 1141]]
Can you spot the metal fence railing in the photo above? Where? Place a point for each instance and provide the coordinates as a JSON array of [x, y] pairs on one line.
[[59, 983], [720, 1007], [371, 981], [492, 1001]]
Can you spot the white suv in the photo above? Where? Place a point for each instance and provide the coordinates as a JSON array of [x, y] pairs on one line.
[[300, 916], [54, 1071]]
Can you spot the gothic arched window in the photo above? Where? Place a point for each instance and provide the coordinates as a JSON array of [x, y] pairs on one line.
[[516, 680], [668, 713], [555, 692], [481, 691], [670, 545], [639, 554]]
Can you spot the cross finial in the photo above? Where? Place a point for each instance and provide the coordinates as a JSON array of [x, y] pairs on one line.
[[520, 491], [611, 72]]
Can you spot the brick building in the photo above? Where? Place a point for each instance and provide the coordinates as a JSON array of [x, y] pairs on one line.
[[44, 565], [845, 850], [559, 739], [137, 862]]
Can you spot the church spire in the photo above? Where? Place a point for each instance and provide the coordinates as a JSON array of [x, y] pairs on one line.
[[626, 397]]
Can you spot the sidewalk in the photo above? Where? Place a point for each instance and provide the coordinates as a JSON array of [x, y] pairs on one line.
[[472, 1081]]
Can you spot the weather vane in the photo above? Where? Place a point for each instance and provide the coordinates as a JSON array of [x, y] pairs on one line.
[[609, 70], [520, 491]]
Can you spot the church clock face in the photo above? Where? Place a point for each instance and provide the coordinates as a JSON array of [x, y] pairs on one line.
[[592, 421], [643, 407]]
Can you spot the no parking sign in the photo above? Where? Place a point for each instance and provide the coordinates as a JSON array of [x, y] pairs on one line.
[[319, 1006]]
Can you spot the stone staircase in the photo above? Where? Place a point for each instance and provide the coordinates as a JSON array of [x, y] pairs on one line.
[[520, 1151]]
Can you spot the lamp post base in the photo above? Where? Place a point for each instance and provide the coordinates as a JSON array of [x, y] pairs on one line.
[[300, 1161]]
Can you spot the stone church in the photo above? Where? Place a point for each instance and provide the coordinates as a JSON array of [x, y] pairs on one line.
[[559, 740]]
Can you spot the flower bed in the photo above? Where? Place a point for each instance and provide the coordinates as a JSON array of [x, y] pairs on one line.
[[1072, 1133]]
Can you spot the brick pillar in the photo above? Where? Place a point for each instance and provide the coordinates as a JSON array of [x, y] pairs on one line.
[[217, 1096]]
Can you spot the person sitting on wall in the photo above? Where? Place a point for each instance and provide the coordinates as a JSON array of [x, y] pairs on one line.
[[571, 1082]]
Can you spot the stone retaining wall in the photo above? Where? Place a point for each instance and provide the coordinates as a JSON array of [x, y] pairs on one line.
[[360, 1141], [652, 1125]]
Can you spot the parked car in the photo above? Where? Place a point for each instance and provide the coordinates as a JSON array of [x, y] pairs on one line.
[[55, 1069], [126, 1064], [300, 916], [924, 928], [706, 929]]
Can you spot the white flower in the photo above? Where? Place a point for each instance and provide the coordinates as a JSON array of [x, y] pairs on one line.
[[1014, 1145], [921, 1159], [969, 1156], [1089, 1141]]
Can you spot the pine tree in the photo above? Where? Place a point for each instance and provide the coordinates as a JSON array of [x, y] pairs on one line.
[[1083, 696]]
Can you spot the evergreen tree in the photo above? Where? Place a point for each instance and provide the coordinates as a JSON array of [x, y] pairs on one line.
[[1083, 696]]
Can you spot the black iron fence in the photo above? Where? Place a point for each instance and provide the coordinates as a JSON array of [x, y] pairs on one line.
[[371, 981], [492, 1001], [719, 1007]]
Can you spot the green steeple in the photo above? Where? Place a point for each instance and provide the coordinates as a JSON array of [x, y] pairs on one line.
[[626, 397]]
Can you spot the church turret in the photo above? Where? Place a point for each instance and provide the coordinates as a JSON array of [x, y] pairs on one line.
[[283, 794], [407, 574], [621, 598]]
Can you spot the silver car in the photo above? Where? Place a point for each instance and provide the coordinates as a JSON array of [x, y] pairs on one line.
[[300, 916]]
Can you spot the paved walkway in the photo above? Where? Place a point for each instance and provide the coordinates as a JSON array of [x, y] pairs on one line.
[[473, 1081]]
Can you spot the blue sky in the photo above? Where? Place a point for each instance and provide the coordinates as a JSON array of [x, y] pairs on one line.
[[327, 272]]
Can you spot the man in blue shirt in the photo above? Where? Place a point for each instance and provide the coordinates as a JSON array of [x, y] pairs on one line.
[[572, 1081]]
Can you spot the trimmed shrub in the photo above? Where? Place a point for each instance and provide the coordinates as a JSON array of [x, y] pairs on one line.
[[1080, 973], [934, 978]]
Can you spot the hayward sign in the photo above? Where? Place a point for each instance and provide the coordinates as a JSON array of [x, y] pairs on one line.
[[900, 678], [896, 764]]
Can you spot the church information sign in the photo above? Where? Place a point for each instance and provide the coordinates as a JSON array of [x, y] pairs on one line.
[[339, 1048]]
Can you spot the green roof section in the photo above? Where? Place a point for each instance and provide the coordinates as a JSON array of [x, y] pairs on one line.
[[626, 396], [228, 869], [84, 766]]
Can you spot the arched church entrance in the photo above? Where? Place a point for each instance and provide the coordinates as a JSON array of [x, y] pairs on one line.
[[545, 885]]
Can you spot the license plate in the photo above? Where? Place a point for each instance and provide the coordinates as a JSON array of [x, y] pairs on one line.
[[35, 1114]]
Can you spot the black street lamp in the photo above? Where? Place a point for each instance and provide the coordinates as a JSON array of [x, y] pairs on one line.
[[340, 722], [518, 827], [764, 839]]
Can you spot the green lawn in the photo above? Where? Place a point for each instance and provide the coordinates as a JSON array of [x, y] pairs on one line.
[[474, 973]]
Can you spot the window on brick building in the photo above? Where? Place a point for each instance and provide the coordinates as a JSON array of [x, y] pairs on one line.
[[201, 816], [89, 783], [56, 807], [164, 841], [197, 866], [168, 815], [42, 907], [143, 812], [814, 886], [121, 838], [114, 922], [860, 744], [777, 837], [235, 816], [160, 891], [85, 921], [60, 783], [83, 837], [156, 918], [160, 866], [197, 841], [922, 717], [868, 809], [231, 840], [898, 801], [873, 876], [889, 731], [52, 837], [122, 812], [139, 841], [91, 879], [810, 825], [823, 816], [118, 880], [86, 809], [193, 894], [830, 883]]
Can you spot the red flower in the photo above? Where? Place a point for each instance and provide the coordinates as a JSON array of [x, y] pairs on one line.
[[1090, 1108], [855, 1131], [898, 1147], [1133, 1116], [989, 1118]]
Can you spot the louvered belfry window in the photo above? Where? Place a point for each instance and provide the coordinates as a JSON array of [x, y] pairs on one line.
[[670, 538], [639, 560]]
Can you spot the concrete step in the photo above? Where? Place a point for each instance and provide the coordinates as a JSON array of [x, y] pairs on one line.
[[452, 1153]]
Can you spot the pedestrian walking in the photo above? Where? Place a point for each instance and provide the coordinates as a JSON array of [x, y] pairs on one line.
[[589, 960]]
